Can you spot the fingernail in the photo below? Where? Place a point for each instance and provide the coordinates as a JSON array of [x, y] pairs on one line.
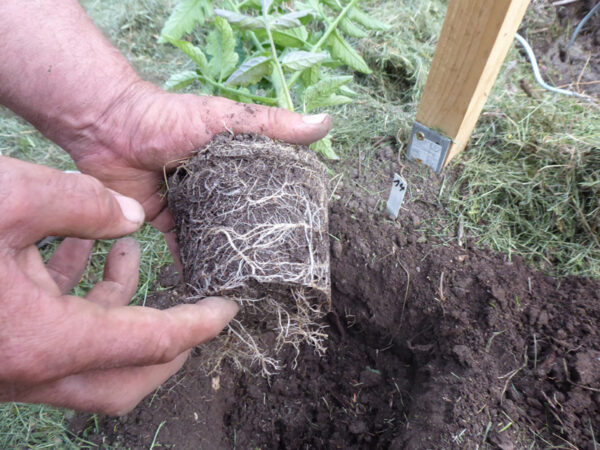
[[130, 208], [314, 119]]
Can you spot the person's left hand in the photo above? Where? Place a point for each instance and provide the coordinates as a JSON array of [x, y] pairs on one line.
[[149, 129]]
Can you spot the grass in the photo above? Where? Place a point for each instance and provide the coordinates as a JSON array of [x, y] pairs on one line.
[[528, 184]]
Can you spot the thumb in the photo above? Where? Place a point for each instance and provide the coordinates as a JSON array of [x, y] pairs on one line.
[[47, 202], [276, 123]]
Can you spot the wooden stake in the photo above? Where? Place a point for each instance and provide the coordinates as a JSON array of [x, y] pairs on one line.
[[474, 42]]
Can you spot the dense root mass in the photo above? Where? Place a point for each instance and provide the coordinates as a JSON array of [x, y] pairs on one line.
[[251, 221]]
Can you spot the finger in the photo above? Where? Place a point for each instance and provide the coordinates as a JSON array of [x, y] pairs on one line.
[[276, 123], [73, 336], [115, 391], [67, 264], [171, 240], [121, 275], [45, 202], [164, 222]]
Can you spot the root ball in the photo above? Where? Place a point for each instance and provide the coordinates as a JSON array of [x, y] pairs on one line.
[[251, 223]]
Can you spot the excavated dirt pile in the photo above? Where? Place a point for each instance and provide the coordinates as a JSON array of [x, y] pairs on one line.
[[251, 222]]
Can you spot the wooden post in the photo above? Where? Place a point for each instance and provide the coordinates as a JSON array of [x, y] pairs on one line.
[[474, 42]]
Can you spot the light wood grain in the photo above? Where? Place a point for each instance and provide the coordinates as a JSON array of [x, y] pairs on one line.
[[475, 39]]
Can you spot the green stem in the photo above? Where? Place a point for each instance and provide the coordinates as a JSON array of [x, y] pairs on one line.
[[330, 29], [256, 98], [284, 86]]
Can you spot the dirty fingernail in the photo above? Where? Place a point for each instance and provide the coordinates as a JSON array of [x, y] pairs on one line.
[[314, 119], [130, 208]]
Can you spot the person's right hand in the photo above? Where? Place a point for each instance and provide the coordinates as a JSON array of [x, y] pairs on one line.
[[94, 353]]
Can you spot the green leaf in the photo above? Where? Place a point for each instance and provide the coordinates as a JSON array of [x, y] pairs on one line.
[[241, 20], [314, 5], [325, 147], [343, 51], [331, 3], [180, 80], [366, 20], [250, 4], [311, 76], [325, 88], [300, 59], [345, 90], [250, 72], [292, 20], [294, 37], [193, 52], [184, 17], [220, 45], [348, 27], [281, 97], [326, 102]]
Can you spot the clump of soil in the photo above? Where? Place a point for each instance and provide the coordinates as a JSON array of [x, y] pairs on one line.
[[251, 223]]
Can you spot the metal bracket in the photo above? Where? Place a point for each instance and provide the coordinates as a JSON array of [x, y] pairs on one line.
[[428, 146]]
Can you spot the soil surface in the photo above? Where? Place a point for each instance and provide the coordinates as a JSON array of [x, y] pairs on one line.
[[432, 345]]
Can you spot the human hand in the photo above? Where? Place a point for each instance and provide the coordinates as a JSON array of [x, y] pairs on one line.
[[93, 353], [149, 129], [118, 128]]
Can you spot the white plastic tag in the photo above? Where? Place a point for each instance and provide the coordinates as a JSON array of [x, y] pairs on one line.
[[397, 193]]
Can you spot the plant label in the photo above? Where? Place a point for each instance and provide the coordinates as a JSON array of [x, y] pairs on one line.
[[397, 193]]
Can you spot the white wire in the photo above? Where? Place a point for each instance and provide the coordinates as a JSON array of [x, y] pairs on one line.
[[538, 75]]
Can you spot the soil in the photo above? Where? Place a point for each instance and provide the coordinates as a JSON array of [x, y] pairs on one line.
[[433, 343], [549, 31]]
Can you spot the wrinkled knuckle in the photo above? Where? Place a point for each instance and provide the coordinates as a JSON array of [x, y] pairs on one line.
[[18, 200], [273, 117]]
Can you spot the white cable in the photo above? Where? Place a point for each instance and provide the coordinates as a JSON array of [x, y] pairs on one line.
[[538, 75]]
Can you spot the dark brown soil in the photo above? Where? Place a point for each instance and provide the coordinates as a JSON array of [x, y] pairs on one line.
[[431, 345]]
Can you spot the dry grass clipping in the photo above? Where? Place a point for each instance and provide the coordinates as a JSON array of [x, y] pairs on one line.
[[251, 222]]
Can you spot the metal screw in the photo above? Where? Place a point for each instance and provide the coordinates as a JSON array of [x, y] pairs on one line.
[[420, 136]]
